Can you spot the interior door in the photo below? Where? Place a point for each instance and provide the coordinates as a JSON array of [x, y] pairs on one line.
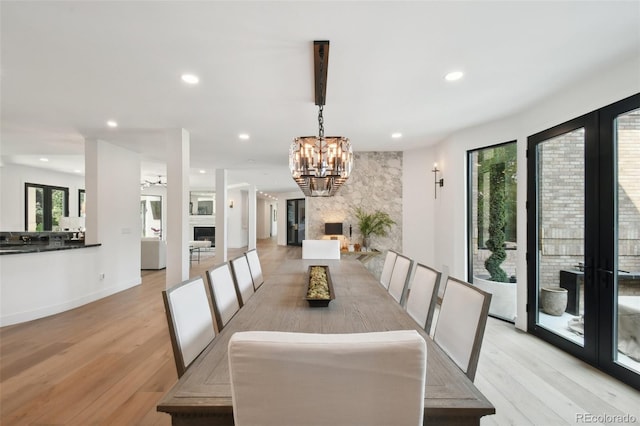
[[295, 222], [584, 237]]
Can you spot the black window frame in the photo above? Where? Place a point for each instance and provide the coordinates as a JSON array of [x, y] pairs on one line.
[[47, 214]]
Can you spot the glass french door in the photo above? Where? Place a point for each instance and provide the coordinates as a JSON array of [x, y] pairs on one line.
[[584, 237], [295, 222]]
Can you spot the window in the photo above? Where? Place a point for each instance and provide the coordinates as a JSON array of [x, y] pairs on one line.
[[151, 215], [44, 206], [492, 192], [82, 200]]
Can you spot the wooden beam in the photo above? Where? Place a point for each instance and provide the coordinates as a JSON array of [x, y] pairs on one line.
[[321, 63]]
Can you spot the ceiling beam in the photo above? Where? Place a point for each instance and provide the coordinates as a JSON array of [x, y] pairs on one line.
[[321, 63]]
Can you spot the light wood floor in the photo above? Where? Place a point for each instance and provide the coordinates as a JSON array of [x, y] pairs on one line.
[[109, 363]]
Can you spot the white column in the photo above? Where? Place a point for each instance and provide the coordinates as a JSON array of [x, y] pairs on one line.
[[177, 233], [252, 217], [91, 235], [222, 216]]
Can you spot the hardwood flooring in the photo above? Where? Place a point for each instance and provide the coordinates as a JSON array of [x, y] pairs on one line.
[[109, 362]]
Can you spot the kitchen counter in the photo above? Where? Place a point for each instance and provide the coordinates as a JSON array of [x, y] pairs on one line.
[[39, 248]]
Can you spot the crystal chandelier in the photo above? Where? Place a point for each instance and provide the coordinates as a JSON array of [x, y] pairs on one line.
[[319, 164]]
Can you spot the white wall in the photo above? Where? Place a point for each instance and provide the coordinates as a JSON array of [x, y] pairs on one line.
[[238, 232], [113, 205], [263, 218], [447, 233], [35, 285], [12, 180], [39, 284]]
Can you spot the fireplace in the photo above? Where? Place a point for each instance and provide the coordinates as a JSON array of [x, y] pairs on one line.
[[205, 233]]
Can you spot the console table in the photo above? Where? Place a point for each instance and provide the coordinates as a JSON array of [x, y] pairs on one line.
[[574, 280], [362, 256], [196, 246]]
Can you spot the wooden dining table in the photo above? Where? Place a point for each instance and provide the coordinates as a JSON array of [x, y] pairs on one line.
[[203, 394]]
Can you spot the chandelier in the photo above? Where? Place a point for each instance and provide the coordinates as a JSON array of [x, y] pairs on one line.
[[319, 164]]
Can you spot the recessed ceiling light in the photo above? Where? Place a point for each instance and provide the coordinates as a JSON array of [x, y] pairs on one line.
[[244, 136], [454, 75], [44, 160], [203, 171], [77, 171], [112, 123], [396, 135], [190, 78]]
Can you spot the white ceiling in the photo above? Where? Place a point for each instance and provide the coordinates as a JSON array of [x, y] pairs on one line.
[[68, 67]]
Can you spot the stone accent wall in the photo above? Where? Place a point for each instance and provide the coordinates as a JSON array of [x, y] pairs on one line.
[[374, 184]]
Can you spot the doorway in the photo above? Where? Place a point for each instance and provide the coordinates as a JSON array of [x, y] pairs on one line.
[[584, 238], [295, 221]]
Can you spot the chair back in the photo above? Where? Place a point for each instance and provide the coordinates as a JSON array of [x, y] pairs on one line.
[[242, 276], [461, 323], [387, 268], [373, 379], [423, 295], [190, 321], [223, 294], [321, 249], [400, 278], [255, 268]]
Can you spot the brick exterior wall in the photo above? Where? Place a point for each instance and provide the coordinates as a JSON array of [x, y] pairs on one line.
[[561, 162]]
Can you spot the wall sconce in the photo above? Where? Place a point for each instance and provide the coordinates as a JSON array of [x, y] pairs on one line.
[[437, 182], [231, 204]]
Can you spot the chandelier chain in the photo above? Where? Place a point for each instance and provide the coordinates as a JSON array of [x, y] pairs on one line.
[[320, 122]]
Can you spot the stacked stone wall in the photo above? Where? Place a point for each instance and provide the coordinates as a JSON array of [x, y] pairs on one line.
[[374, 184]]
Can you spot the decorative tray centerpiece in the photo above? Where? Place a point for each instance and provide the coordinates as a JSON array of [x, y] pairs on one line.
[[320, 288]]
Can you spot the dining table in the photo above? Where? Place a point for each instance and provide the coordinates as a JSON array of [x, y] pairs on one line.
[[203, 394]]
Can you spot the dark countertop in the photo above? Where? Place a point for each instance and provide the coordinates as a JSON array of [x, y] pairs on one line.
[[39, 248]]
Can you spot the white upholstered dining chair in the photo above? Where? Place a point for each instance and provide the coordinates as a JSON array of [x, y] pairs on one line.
[[242, 276], [223, 293], [387, 268], [321, 249], [423, 296], [190, 321], [461, 322], [255, 268], [399, 281], [361, 379]]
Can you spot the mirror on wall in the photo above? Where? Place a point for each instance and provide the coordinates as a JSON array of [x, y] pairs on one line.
[[202, 203], [151, 215]]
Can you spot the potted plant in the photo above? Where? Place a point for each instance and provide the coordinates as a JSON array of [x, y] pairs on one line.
[[501, 286], [376, 223]]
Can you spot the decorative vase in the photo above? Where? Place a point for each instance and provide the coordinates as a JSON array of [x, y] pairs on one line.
[[503, 299], [553, 300], [365, 242]]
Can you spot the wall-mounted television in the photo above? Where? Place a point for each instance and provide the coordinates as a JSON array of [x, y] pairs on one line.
[[333, 228]]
